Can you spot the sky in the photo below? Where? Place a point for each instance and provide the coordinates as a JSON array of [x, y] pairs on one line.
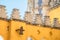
[[19, 4]]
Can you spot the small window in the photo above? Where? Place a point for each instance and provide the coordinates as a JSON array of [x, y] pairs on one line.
[[55, 21]]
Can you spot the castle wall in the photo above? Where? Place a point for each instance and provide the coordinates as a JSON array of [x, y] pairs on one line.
[[16, 29], [34, 31], [4, 29]]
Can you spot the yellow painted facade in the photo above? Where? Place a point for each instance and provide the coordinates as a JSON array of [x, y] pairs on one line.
[[34, 31], [4, 29], [10, 29]]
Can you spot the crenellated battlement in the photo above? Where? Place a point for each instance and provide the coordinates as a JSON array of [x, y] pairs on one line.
[[30, 17], [15, 14]]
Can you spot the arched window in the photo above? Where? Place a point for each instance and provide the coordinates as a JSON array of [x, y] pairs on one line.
[[1, 38], [43, 38], [29, 38]]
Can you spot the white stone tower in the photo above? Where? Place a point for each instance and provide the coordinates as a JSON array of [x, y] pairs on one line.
[[45, 10], [32, 10], [30, 6], [28, 14], [3, 13], [45, 7], [36, 9], [33, 6], [15, 14]]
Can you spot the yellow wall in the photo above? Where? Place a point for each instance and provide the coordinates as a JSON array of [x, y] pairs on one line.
[[14, 26], [3, 29], [36, 32]]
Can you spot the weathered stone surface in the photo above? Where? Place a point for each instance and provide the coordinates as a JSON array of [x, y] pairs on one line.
[[38, 19], [3, 11], [15, 14]]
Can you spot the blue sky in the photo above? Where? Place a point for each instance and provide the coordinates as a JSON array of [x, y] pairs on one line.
[[10, 4]]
